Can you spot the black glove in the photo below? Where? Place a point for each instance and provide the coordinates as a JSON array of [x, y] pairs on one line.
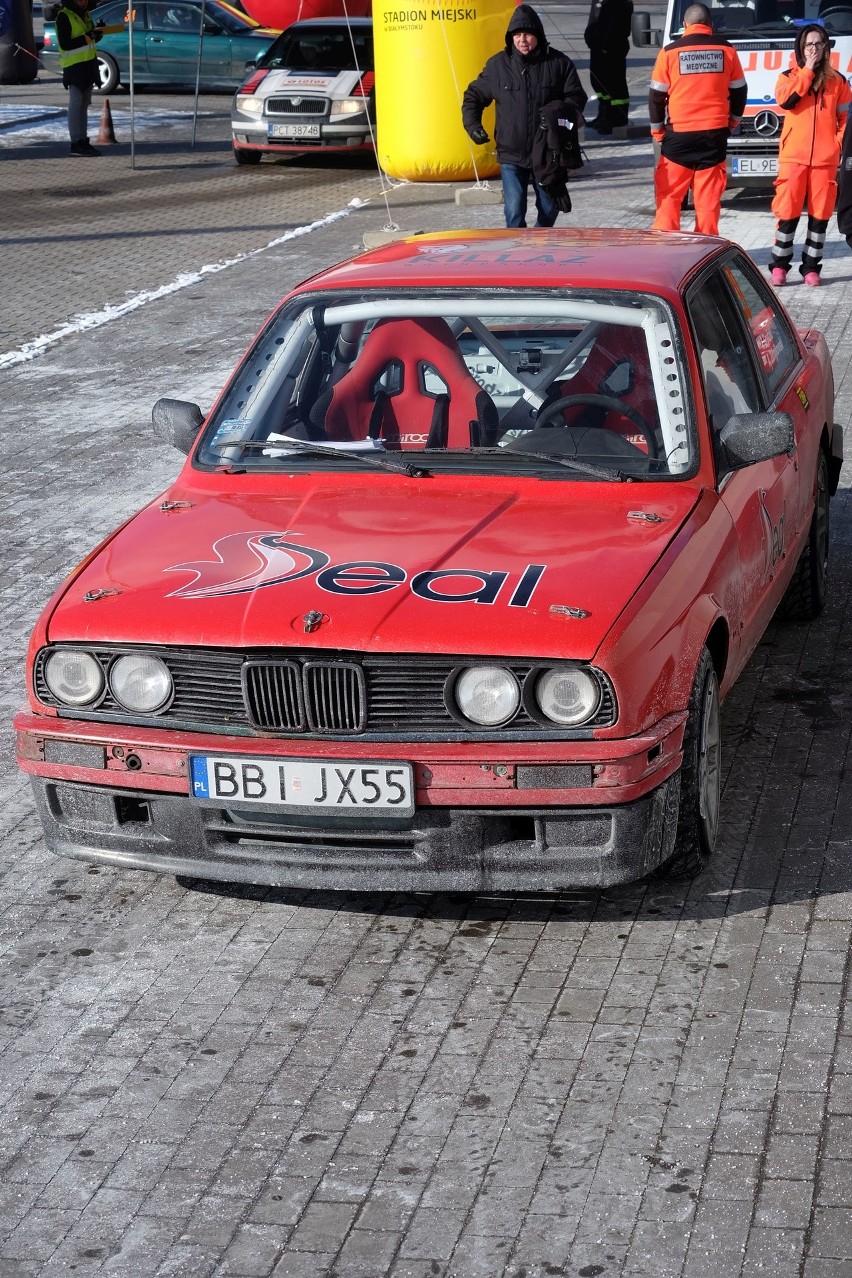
[[478, 135], [558, 192]]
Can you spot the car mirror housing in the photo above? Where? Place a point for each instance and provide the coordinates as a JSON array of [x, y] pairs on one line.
[[747, 438], [177, 422]]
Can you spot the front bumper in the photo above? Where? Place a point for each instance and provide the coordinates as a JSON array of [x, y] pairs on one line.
[[440, 849], [252, 134], [508, 817]]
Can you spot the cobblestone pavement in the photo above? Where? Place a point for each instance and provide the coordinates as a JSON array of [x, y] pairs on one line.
[[197, 1080]]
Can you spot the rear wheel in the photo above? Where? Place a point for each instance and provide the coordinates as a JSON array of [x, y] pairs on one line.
[[242, 156], [109, 75], [805, 597], [700, 776]]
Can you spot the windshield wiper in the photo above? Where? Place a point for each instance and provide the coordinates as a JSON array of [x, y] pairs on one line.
[[570, 463], [284, 446], [776, 24]]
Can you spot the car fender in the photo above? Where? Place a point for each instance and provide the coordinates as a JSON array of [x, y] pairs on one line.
[[41, 631], [652, 651]]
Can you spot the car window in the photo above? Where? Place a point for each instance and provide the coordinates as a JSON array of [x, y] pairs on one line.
[[321, 49], [111, 14], [223, 17], [590, 384], [174, 18], [776, 345], [731, 384]]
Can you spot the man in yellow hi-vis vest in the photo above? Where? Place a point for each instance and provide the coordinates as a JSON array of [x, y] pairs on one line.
[[77, 37]]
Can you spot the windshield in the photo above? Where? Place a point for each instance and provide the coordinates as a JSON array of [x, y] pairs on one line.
[[321, 49], [746, 18], [587, 386]]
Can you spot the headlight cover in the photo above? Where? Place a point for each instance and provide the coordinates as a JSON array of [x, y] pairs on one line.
[[249, 104], [568, 695], [487, 695], [75, 678], [140, 682], [348, 106]]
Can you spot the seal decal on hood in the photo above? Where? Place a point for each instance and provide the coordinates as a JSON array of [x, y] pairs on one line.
[[250, 561]]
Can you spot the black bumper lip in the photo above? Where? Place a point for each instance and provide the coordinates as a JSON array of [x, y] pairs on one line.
[[440, 849]]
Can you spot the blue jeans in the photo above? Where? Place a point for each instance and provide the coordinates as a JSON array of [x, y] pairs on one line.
[[516, 179]]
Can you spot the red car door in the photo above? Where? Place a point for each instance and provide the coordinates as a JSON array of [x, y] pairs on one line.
[[781, 368], [755, 496]]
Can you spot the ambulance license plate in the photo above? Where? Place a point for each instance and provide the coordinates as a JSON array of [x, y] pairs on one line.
[[754, 165], [340, 785]]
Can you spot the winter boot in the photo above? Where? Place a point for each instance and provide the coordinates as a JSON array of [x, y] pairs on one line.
[[602, 122], [619, 114]]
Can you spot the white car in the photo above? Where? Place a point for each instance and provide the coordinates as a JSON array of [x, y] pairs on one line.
[[312, 89]]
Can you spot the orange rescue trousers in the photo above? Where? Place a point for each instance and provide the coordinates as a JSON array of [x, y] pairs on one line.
[[797, 186], [671, 183]]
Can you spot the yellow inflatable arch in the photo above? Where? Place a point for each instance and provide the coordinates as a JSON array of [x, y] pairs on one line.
[[426, 56]]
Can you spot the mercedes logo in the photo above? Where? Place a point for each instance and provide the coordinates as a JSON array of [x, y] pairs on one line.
[[767, 124]]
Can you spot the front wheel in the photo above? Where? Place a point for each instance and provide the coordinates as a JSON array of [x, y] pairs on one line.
[[700, 776], [242, 156], [109, 75]]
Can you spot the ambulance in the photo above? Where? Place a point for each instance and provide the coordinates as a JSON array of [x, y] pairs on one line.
[[763, 33]]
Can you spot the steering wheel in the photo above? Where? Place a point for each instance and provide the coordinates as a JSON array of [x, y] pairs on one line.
[[612, 405]]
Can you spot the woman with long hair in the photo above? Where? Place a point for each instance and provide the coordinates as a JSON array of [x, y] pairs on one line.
[[815, 100]]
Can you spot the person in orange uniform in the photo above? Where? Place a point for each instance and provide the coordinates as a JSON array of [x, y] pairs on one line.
[[815, 100], [697, 97]]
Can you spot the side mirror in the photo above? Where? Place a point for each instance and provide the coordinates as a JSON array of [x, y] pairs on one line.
[[747, 438], [212, 28], [177, 422]]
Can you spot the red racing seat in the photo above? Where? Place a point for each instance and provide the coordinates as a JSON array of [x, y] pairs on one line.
[[411, 388]]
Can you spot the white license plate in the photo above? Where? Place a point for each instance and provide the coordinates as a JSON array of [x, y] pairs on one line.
[[337, 784], [754, 165], [294, 131]]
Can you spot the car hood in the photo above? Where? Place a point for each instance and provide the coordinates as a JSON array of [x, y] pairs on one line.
[[308, 83], [426, 565]]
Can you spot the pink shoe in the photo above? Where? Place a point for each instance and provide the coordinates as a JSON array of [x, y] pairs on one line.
[[813, 280], [778, 276]]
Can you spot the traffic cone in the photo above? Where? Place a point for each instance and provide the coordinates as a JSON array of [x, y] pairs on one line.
[[107, 132]]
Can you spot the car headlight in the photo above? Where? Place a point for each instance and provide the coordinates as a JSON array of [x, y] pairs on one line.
[[140, 682], [568, 695], [488, 695], [74, 678], [250, 105], [348, 106]]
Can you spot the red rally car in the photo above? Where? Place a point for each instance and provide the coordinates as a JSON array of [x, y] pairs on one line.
[[461, 562]]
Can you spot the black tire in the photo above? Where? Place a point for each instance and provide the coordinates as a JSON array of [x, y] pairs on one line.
[[109, 76], [242, 156], [700, 776], [806, 593]]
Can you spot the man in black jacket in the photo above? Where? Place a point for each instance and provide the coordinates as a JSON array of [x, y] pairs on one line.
[[520, 81]]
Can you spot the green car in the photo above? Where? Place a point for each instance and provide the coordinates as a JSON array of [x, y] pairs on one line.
[[166, 36]]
